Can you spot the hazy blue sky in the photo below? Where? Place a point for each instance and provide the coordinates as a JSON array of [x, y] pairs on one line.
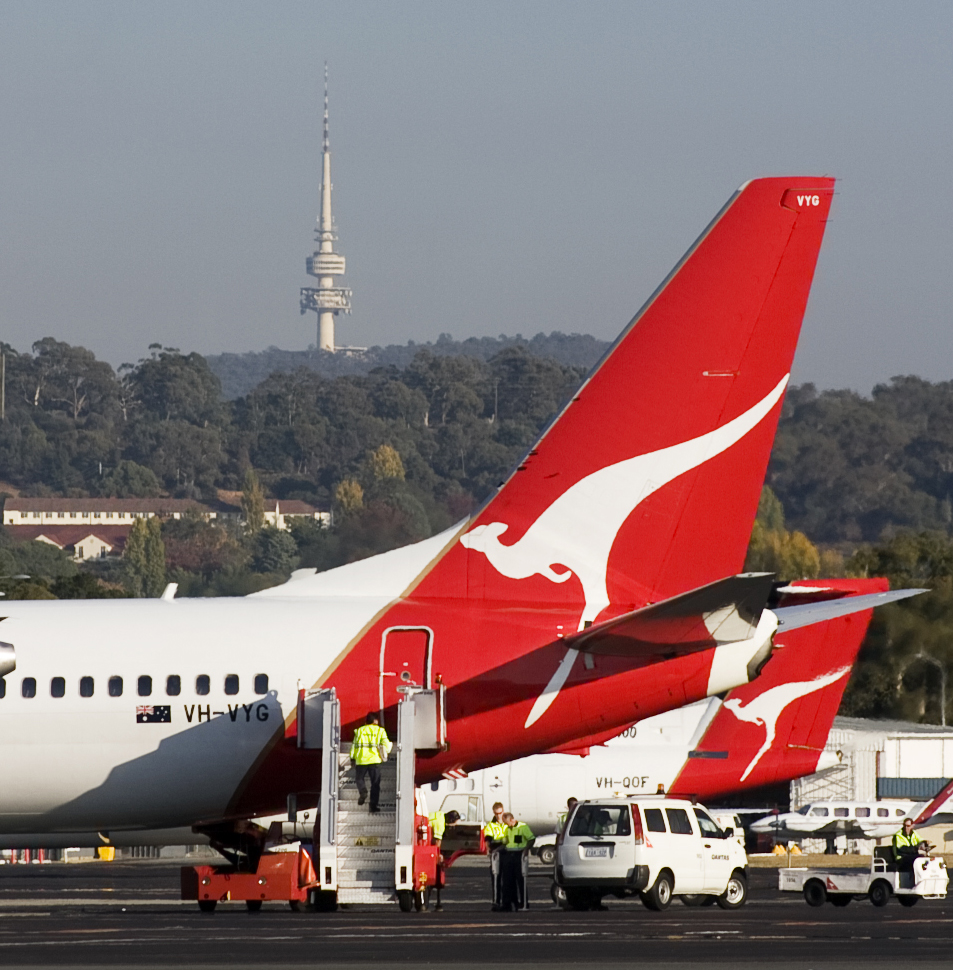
[[498, 167]]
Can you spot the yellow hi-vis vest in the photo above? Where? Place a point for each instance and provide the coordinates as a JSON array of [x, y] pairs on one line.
[[495, 831], [902, 841], [370, 745], [518, 837], [438, 824]]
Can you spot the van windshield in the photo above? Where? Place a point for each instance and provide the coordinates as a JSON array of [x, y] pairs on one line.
[[596, 820]]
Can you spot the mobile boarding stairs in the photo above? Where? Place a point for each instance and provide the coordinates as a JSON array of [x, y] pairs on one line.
[[356, 856]]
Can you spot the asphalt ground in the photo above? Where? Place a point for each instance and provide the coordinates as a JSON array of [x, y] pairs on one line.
[[127, 914]]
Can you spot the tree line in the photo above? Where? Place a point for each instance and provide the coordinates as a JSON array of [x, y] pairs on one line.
[[857, 485]]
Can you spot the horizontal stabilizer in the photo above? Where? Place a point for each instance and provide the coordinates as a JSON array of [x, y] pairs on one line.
[[793, 617], [722, 612]]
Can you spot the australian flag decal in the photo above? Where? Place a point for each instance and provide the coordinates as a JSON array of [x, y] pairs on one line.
[[154, 714]]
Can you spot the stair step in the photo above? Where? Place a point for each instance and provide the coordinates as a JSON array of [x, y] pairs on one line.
[[368, 896]]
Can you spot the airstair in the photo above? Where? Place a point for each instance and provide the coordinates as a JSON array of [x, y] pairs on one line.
[[362, 857]]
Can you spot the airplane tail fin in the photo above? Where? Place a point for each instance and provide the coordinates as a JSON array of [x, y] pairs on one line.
[[647, 484], [775, 728], [940, 810]]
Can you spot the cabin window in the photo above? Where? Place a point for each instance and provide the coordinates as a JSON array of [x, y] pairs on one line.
[[261, 683], [862, 813], [115, 686], [173, 685], [822, 812], [28, 687], [202, 684], [231, 683], [654, 820], [58, 687], [883, 813], [678, 821], [86, 687], [144, 686], [898, 812], [842, 812]]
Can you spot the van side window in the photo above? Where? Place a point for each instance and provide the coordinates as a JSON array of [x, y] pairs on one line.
[[678, 821], [654, 821], [144, 686], [28, 687], [202, 684], [231, 683], [115, 686], [86, 687], [707, 825], [261, 683], [173, 685], [57, 687]]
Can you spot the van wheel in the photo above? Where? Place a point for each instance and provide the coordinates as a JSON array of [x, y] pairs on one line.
[[879, 893], [736, 892], [659, 897], [547, 855], [841, 900], [814, 893], [908, 901], [578, 899]]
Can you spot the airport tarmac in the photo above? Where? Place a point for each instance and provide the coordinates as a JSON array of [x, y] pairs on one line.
[[127, 914]]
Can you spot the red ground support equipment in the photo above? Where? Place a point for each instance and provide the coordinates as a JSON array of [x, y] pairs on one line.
[[280, 876]]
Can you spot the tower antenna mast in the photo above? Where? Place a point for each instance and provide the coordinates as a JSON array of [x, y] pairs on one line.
[[325, 299]]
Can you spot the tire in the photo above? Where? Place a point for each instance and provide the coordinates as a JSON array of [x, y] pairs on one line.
[[841, 900], [253, 905], [405, 899], [547, 855], [208, 905], [659, 897], [908, 901], [814, 893], [322, 901], [879, 893], [422, 900], [736, 892], [578, 900]]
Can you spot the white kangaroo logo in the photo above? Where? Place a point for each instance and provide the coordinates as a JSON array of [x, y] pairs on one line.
[[577, 531], [766, 708]]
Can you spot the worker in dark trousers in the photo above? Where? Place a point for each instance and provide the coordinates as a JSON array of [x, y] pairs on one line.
[[494, 837], [519, 840], [369, 751]]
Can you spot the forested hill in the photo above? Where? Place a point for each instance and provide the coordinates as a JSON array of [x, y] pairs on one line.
[[850, 468], [240, 373]]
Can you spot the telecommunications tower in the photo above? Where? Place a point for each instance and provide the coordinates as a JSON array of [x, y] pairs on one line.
[[325, 299]]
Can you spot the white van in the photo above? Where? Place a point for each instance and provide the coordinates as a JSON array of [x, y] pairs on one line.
[[657, 847]]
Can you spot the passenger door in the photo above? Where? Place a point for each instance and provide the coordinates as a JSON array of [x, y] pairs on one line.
[[684, 849], [406, 654], [715, 853]]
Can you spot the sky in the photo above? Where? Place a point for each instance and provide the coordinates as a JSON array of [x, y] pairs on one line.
[[507, 167]]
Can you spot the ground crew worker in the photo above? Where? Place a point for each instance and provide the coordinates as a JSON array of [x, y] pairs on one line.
[[494, 835], [369, 751], [564, 816], [438, 824], [519, 840], [907, 846]]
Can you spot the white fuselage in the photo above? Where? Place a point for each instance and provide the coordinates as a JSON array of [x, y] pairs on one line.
[[857, 820]]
